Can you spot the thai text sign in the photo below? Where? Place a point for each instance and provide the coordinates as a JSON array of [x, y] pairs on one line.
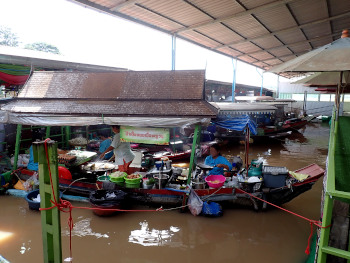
[[144, 135]]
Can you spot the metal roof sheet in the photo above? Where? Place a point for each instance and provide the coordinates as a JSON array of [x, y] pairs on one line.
[[113, 108], [240, 24], [132, 93], [132, 85]]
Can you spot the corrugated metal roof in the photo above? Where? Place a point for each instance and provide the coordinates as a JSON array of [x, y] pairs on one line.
[[113, 108], [169, 85], [132, 93], [241, 24]]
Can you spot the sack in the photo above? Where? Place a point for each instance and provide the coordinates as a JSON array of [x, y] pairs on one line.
[[195, 204], [211, 209]]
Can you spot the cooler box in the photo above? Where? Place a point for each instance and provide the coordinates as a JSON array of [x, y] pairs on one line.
[[274, 176]]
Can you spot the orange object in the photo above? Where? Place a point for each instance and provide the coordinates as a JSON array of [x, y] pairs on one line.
[[345, 33], [64, 173]]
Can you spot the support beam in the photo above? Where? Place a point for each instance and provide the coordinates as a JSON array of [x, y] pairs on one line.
[[234, 65], [173, 52], [50, 219], [120, 6]]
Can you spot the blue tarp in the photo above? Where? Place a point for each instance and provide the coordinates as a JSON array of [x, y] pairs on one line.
[[238, 123]]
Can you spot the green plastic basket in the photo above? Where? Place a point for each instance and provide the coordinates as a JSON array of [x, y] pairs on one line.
[[117, 179], [133, 181], [135, 185]]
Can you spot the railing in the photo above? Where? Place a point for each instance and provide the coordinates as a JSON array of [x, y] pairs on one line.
[[330, 194]]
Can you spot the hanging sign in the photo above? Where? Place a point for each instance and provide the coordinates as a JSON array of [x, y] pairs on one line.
[[144, 135]]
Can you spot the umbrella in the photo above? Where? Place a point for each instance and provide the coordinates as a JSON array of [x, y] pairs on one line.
[[333, 57], [324, 79]]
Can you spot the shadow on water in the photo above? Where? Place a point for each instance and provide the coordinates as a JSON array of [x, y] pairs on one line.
[[240, 235]]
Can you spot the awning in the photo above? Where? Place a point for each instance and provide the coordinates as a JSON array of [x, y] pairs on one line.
[[238, 123]]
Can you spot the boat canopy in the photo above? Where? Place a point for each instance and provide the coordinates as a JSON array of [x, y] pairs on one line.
[[237, 123], [135, 98], [230, 108]]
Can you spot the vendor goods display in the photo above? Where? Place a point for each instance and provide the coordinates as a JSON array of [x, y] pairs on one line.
[[66, 158]]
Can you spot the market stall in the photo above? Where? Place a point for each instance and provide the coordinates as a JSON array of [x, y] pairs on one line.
[[131, 99]]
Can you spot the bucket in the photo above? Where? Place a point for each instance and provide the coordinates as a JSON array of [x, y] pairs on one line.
[[159, 164], [163, 180], [106, 184], [33, 205]]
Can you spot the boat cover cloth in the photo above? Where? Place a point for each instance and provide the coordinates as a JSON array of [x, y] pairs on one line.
[[75, 120], [238, 123]]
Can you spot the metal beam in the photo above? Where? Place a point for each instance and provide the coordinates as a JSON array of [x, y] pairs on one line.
[[120, 6], [240, 14], [247, 40]]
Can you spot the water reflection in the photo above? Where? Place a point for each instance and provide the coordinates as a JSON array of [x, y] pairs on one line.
[[82, 228], [5, 235], [153, 237]]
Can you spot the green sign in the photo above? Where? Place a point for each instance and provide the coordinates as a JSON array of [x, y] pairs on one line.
[[144, 135]]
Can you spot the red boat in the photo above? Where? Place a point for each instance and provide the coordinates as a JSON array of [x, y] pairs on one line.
[[174, 197]]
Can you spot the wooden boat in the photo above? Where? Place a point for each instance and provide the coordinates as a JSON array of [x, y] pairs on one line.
[[177, 156], [231, 195]]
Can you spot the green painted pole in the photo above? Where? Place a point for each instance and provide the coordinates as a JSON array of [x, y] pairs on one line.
[[48, 131], [17, 146], [324, 237], [50, 219], [67, 136], [196, 140]]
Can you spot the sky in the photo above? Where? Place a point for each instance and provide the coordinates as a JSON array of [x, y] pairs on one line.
[[91, 36]]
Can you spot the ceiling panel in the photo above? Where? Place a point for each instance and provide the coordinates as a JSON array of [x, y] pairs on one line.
[[276, 18], [267, 42], [318, 30], [263, 55], [219, 8], [249, 26], [220, 32], [249, 4], [308, 11], [281, 52], [246, 47], [199, 38], [291, 36]]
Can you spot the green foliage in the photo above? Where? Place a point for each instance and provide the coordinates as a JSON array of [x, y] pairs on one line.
[[7, 37], [44, 47]]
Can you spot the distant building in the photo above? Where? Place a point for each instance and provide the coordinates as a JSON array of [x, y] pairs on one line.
[[221, 91]]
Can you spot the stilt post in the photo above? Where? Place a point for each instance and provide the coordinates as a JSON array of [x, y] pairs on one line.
[[196, 140], [50, 219], [17, 145]]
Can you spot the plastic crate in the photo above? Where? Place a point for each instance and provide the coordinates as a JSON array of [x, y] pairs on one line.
[[274, 176]]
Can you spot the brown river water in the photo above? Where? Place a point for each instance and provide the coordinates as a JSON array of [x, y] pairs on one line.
[[240, 235]]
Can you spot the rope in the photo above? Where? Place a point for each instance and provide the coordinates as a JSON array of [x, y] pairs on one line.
[[312, 222]]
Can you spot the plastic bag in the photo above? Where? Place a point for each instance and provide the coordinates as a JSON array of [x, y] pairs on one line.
[[31, 183], [195, 204]]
